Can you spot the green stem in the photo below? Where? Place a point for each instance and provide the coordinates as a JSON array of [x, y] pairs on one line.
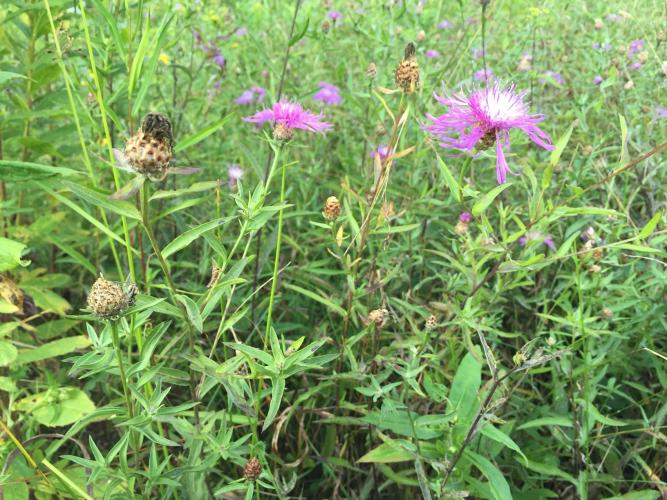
[[121, 367], [276, 260]]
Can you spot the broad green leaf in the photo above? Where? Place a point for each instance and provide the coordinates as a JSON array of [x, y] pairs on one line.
[[481, 204], [276, 397], [595, 413], [5, 76], [8, 353], [52, 349], [193, 312], [497, 482], [189, 236], [497, 435], [396, 229], [322, 300], [193, 188], [20, 171], [556, 153], [138, 58], [193, 139], [100, 200], [57, 407], [387, 453], [463, 397], [547, 470], [253, 352], [650, 226], [561, 420], [10, 254], [7, 385], [300, 34]]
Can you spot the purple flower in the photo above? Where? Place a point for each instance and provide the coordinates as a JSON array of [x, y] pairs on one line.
[[382, 151], [444, 24], [432, 54], [485, 117], [287, 116], [219, 59], [605, 47], [242, 31], [477, 53], [334, 15], [260, 92], [636, 46], [246, 98], [483, 75], [661, 112], [537, 236], [615, 18], [636, 66], [465, 217], [552, 75], [328, 94], [197, 36], [234, 174], [598, 80]]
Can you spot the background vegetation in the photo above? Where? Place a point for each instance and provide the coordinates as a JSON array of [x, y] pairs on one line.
[[408, 356]]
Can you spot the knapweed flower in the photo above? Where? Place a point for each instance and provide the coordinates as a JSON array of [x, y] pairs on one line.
[[287, 116], [334, 15], [465, 217], [485, 117], [598, 80], [432, 54], [328, 94], [253, 94], [382, 151], [636, 46], [234, 174], [483, 75], [477, 53], [444, 24], [242, 31], [537, 236], [552, 75], [661, 112]]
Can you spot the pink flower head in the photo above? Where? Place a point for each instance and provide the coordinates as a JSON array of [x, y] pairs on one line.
[[382, 151], [234, 174], [246, 98], [260, 92], [334, 15], [287, 116], [537, 236], [598, 80], [328, 94], [465, 217], [483, 75], [636, 46], [444, 24], [485, 117], [432, 54]]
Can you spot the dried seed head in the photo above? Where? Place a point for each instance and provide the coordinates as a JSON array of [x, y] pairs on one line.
[[379, 317], [371, 71], [282, 133], [331, 208], [421, 36], [252, 469], [461, 228], [598, 253], [149, 151], [215, 274], [598, 23], [107, 299], [607, 313], [431, 322], [594, 269], [326, 26], [407, 73]]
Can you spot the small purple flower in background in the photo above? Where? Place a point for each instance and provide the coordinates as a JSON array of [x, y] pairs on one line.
[[605, 47], [465, 217], [432, 54], [242, 31], [552, 75], [328, 94], [485, 117], [382, 151], [636, 46], [234, 174], [661, 112], [444, 24], [537, 236], [477, 53], [286, 117], [483, 75], [253, 94], [636, 66], [246, 98], [260, 92], [598, 80], [614, 18], [219, 59], [334, 15], [197, 36]]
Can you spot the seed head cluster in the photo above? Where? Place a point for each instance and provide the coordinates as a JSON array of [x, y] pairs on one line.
[[331, 208], [252, 469], [149, 151], [407, 73], [108, 300]]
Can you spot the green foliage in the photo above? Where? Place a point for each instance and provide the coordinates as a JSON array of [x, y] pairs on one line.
[[388, 350]]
